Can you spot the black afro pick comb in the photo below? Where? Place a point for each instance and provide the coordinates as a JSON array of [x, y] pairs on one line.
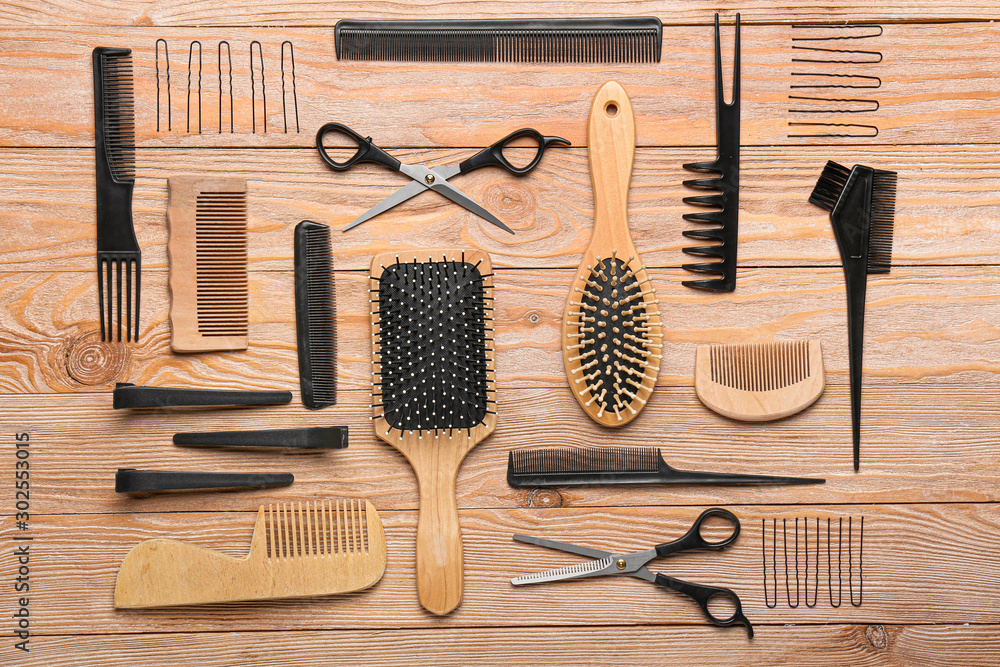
[[724, 233]]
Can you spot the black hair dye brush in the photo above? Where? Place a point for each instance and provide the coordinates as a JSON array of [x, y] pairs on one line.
[[433, 389], [862, 205]]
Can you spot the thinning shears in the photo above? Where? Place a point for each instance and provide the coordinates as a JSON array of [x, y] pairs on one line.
[[634, 564], [424, 178]]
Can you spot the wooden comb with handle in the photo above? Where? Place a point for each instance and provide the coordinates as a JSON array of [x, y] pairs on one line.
[[759, 381], [320, 549], [434, 390], [612, 336], [209, 285]]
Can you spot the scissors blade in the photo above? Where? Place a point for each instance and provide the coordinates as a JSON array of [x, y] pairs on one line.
[[405, 193], [592, 568], [441, 185], [563, 546]]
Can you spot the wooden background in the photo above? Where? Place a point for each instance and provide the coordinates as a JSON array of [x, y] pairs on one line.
[[928, 485]]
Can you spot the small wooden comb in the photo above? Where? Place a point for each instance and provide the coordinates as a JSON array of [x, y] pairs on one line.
[[320, 549], [759, 381], [209, 298]]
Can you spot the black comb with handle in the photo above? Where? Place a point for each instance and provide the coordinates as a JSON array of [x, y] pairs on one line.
[[589, 40], [315, 315], [724, 235], [862, 205], [591, 466], [117, 249]]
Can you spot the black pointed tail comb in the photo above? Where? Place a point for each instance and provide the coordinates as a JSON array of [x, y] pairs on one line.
[[862, 205], [725, 230]]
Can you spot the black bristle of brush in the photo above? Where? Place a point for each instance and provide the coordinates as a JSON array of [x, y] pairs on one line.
[[315, 315], [433, 346], [591, 40], [862, 205]]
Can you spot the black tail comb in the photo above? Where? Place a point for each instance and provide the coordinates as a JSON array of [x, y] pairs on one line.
[[862, 205], [117, 249], [331, 437], [586, 466], [590, 40], [131, 396], [315, 315], [130, 480], [725, 235]]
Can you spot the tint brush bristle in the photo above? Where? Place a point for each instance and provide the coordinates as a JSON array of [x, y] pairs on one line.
[[315, 314], [829, 186]]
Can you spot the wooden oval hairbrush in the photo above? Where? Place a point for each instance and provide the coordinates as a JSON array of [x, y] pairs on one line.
[[612, 337], [434, 391]]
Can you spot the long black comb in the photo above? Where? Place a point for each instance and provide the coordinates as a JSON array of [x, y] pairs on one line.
[[117, 249], [587, 40], [315, 315], [587, 466], [727, 164], [862, 205]]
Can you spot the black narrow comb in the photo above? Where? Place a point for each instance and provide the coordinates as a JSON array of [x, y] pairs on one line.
[[117, 248], [130, 480], [315, 315], [862, 205], [330, 437], [128, 396], [588, 466], [587, 40], [727, 164]]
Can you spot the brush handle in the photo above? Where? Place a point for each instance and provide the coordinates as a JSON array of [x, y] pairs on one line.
[[611, 147], [857, 286], [440, 563]]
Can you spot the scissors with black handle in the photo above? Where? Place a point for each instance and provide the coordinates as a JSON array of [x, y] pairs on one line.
[[424, 178], [634, 564]]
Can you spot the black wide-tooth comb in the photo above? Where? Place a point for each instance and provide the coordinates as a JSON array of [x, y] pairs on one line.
[[862, 205], [727, 164], [623, 39], [117, 248], [315, 315], [434, 390]]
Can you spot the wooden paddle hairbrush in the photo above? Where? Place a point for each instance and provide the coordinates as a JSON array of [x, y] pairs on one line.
[[612, 337], [320, 549], [434, 391]]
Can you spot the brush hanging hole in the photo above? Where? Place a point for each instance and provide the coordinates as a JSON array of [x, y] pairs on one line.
[[611, 109]]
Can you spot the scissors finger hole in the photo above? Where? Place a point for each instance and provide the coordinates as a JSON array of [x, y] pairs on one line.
[[721, 606], [717, 528]]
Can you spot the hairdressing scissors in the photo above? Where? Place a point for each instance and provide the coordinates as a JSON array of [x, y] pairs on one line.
[[436, 179], [634, 564]]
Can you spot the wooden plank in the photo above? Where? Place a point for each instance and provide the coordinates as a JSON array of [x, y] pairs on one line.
[[916, 447], [826, 646], [285, 13], [908, 552], [49, 197], [923, 324], [937, 86]]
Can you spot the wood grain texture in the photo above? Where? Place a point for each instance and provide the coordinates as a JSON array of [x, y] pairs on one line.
[[937, 87], [828, 645], [908, 551], [947, 211]]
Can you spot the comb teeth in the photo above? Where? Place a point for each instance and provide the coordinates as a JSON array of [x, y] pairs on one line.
[[883, 213], [829, 186], [585, 459], [318, 530], [760, 366], [221, 250], [433, 347], [613, 40], [315, 309], [118, 102], [615, 341]]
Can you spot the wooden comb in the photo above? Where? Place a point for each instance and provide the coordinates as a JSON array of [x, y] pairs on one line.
[[319, 549], [611, 334], [759, 381], [209, 298], [434, 390]]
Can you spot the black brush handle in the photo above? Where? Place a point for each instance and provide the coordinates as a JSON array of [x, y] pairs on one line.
[[130, 480], [332, 437], [131, 396]]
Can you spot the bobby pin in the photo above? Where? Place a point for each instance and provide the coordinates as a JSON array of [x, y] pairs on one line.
[[166, 61], [190, 61], [229, 58]]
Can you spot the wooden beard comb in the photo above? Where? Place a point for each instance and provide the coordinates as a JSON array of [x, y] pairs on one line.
[[434, 390], [320, 549], [612, 337]]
